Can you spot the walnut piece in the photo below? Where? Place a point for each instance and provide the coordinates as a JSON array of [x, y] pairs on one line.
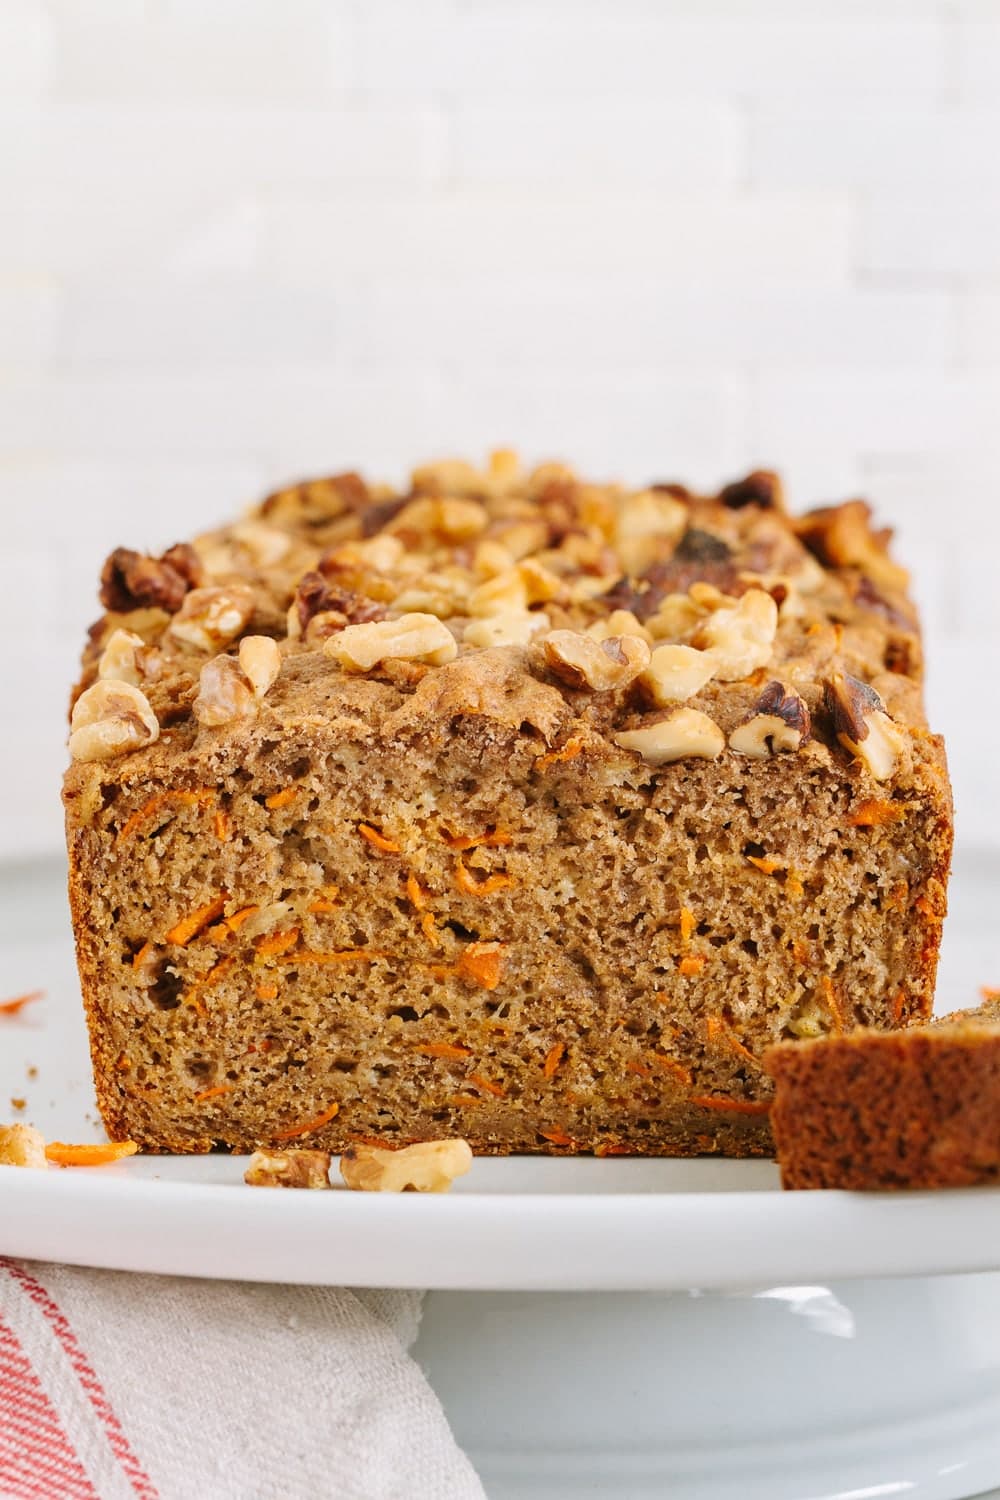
[[22, 1146], [264, 545], [210, 618], [413, 637], [740, 636], [582, 662], [863, 726], [686, 733], [110, 719], [779, 721], [428, 1167], [440, 518], [842, 537], [127, 658], [762, 487], [261, 662], [288, 1169], [514, 629], [646, 524], [130, 580], [676, 673], [231, 687]]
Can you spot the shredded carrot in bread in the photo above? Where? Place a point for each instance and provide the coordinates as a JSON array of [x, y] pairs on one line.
[[671, 1065], [283, 798], [833, 1004], [200, 798], [732, 1106], [442, 1049], [794, 886], [264, 1045], [267, 992], [572, 748], [483, 963], [188, 927], [496, 1089], [469, 886], [223, 825], [874, 813], [717, 1027], [378, 840], [213, 1093], [193, 996], [614, 1148], [274, 944], [463, 1101], [309, 1126], [801, 951], [769, 866], [643, 1070], [139, 958], [926, 908], [688, 924], [692, 965], [122, 1065], [88, 1156], [428, 924], [414, 892], [553, 1058], [557, 1137], [898, 1006], [494, 839], [235, 922]]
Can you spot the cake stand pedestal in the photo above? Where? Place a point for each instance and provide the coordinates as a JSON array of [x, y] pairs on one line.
[[855, 1391]]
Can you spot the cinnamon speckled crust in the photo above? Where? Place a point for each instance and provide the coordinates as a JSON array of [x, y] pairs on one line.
[[444, 898], [918, 1108]]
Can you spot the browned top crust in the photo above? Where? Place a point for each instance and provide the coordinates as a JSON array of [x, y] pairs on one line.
[[650, 624]]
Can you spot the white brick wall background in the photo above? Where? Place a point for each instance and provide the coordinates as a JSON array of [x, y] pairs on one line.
[[245, 239]]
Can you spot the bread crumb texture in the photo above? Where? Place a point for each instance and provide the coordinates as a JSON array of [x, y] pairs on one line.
[[511, 808]]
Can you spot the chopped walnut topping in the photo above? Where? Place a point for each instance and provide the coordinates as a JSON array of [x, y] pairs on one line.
[[646, 524], [448, 476], [316, 597], [582, 662], [110, 719], [22, 1146], [414, 637], [261, 661], [224, 693], [505, 594], [676, 617], [842, 537], [780, 721], [520, 538], [440, 518], [619, 622], [762, 488], [676, 673], [130, 580], [740, 636], [288, 1169], [127, 658], [210, 618], [514, 629], [686, 733], [265, 545], [230, 687], [428, 1167], [863, 726], [317, 501]]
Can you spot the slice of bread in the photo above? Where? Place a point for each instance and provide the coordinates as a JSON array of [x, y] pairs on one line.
[[918, 1108]]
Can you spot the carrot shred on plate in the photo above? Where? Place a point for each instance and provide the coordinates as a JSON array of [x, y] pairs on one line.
[[15, 1006], [89, 1156]]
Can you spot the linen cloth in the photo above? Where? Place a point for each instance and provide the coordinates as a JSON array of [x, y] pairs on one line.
[[129, 1387]]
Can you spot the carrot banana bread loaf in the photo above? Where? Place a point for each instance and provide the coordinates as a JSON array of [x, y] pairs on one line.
[[509, 806], [918, 1108]]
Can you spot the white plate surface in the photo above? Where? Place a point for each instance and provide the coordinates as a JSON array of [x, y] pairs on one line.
[[517, 1224]]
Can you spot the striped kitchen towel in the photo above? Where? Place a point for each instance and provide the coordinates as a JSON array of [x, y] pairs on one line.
[[127, 1387]]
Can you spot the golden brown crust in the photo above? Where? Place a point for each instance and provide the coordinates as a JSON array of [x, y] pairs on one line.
[[420, 874]]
